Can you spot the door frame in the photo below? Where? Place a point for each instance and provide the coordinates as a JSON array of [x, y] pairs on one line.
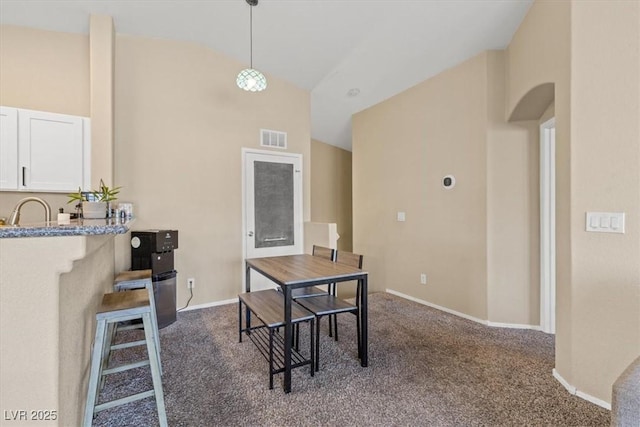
[[547, 227], [300, 206]]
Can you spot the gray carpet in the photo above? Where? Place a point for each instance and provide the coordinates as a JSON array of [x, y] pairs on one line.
[[426, 368]]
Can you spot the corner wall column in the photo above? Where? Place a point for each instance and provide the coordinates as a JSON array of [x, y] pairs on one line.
[[101, 81]]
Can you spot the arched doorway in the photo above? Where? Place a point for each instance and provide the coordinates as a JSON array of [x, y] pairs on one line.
[[535, 105]]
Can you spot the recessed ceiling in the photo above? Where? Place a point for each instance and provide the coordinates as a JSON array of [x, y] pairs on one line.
[[332, 48]]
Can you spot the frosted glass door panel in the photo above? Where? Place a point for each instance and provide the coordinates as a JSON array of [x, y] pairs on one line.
[[274, 210]]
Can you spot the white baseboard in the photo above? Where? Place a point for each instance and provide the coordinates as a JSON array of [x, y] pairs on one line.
[[573, 390], [463, 315], [514, 326], [437, 307], [209, 304]]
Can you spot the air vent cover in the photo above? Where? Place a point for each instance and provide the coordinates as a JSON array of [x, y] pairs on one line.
[[273, 138]]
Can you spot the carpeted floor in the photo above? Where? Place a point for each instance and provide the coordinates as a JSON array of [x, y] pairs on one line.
[[426, 367]]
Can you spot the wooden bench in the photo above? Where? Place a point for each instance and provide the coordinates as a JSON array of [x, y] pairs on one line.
[[268, 307]]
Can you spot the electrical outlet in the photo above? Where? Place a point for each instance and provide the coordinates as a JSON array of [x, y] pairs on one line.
[[423, 279], [191, 283]]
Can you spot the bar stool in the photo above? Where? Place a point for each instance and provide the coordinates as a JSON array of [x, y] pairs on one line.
[[137, 279], [120, 307]]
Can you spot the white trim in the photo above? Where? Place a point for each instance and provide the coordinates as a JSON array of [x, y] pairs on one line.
[[86, 154], [573, 390], [594, 400], [463, 315], [547, 226], [437, 307], [210, 304], [514, 326]]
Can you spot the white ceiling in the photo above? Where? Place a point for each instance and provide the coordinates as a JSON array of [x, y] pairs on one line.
[[328, 47]]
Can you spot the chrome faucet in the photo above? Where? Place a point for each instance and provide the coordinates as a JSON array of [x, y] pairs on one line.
[[15, 215]]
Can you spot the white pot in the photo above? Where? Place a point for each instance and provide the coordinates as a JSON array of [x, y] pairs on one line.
[[94, 210]]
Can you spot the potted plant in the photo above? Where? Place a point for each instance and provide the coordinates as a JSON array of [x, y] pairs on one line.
[[95, 204]]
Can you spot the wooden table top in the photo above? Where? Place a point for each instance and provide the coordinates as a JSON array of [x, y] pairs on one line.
[[304, 270]]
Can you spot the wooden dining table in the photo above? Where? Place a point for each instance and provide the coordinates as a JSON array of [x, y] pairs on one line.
[[299, 271]]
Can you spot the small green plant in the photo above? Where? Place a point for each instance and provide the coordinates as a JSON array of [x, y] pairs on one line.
[[78, 196], [106, 194], [103, 194]]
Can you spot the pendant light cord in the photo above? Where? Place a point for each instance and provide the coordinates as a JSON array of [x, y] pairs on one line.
[[250, 36]]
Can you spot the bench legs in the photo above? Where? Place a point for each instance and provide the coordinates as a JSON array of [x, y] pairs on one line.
[[271, 345]]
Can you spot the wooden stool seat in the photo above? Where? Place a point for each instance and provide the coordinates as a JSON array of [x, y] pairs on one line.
[[134, 302], [132, 276], [119, 307]]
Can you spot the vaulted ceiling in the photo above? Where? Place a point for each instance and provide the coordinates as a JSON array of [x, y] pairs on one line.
[[350, 54]]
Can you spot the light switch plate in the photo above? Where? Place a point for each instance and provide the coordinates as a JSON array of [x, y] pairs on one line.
[[605, 222], [401, 216]]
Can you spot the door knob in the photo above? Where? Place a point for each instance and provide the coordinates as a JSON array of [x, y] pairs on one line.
[[250, 234]]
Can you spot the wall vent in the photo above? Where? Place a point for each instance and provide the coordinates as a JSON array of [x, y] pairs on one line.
[[273, 138]]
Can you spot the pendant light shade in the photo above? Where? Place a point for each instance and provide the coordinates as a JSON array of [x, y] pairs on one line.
[[251, 79]]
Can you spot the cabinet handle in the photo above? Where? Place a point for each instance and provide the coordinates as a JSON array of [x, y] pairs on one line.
[[24, 181]]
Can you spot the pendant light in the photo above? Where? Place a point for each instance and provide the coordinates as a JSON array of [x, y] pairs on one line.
[[250, 79]]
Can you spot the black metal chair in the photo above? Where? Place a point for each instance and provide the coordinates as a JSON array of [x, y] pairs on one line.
[[331, 305], [314, 291]]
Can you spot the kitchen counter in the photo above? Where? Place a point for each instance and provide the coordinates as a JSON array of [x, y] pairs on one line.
[[77, 227]]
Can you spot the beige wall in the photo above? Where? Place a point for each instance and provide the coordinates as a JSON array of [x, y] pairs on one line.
[[597, 152], [47, 71], [331, 190], [402, 148], [101, 60], [590, 51], [605, 176], [44, 70], [462, 238], [513, 207], [539, 53], [181, 123]]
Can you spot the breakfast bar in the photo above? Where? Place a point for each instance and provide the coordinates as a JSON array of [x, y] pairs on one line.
[[52, 277]]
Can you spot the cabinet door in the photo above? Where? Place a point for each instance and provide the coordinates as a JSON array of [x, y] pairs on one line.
[[8, 148], [51, 152]]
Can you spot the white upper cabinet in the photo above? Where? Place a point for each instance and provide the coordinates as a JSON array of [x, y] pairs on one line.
[[51, 154]]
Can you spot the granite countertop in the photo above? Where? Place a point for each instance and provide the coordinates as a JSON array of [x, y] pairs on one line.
[[79, 227]]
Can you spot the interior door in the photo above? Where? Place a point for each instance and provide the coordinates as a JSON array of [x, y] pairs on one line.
[[273, 207]]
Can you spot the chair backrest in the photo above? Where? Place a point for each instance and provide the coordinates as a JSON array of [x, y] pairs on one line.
[[349, 258], [322, 252]]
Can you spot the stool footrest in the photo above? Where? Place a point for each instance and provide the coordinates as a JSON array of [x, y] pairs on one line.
[[122, 401], [128, 344], [129, 327], [126, 367]]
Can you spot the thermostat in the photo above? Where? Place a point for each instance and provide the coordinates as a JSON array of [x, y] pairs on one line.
[[449, 182]]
